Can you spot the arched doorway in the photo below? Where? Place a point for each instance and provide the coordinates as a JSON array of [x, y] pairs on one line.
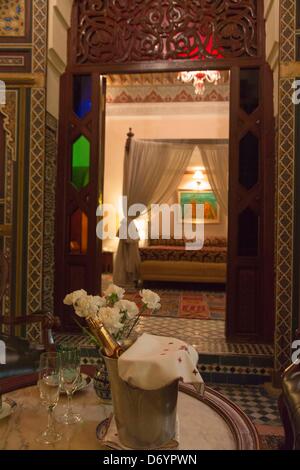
[[171, 35]]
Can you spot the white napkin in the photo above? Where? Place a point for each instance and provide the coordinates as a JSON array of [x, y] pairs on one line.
[[112, 440], [154, 362]]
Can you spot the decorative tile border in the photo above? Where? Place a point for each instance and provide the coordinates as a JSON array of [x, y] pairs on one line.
[[49, 212], [36, 201], [39, 36], [223, 369], [166, 94], [235, 374], [12, 61], [285, 227], [210, 372], [285, 194], [37, 155], [287, 30]]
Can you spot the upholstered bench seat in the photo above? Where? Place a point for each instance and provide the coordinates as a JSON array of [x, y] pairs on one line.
[[169, 260]]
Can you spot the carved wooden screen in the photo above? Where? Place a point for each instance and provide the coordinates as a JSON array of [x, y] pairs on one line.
[[137, 31]]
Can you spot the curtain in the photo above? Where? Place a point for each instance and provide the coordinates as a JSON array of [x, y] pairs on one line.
[[152, 173], [216, 162]]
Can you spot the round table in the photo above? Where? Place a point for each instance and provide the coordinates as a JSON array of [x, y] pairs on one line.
[[211, 422]]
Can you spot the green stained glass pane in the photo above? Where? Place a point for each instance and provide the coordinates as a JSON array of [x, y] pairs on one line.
[[81, 158]]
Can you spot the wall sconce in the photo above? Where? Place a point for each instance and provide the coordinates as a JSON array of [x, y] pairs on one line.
[[198, 177]]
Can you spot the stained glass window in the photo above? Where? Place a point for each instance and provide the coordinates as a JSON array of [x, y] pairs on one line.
[[82, 89], [249, 90], [248, 233], [78, 232], [249, 161], [81, 162]]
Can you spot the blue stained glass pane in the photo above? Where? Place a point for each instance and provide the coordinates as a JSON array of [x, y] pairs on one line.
[[82, 95]]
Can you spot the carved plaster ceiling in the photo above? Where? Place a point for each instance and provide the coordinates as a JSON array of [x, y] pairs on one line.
[[160, 88]]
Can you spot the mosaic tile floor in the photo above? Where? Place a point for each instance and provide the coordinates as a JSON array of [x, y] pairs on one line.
[[207, 336], [255, 401]]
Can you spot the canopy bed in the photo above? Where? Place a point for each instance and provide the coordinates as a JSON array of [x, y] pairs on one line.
[[153, 171]]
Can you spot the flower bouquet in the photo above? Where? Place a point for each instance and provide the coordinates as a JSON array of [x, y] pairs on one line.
[[118, 315]]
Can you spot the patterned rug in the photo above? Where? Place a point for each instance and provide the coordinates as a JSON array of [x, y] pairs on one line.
[[182, 303]]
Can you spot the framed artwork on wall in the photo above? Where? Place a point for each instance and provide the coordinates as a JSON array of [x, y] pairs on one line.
[[207, 199]]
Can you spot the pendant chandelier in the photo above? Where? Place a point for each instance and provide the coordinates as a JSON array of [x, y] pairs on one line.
[[200, 78]]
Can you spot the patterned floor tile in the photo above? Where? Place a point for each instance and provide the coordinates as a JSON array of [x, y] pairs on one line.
[[255, 401], [207, 336]]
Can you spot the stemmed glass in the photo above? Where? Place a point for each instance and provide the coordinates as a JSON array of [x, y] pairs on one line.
[[49, 386], [70, 377]]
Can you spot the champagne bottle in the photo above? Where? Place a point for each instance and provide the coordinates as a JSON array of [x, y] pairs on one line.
[[110, 346]]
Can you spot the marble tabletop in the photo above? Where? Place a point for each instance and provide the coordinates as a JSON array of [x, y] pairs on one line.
[[211, 423]]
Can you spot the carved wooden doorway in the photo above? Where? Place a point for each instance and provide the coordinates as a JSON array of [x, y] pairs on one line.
[[115, 36]]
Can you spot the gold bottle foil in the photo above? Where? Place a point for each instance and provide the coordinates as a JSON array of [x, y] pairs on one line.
[[110, 347]]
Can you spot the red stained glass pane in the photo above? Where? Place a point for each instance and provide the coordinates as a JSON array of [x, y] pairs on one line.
[[78, 232]]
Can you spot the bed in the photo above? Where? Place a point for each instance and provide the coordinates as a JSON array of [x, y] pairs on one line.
[[168, 260]]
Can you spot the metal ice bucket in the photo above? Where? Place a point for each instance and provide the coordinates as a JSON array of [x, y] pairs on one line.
[[145, 419]]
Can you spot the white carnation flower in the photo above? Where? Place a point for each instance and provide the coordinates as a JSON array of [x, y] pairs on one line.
[[113, 289], [111, 319], [99, 301], [94, 303], [129, 307], [150, 299], [82, 307], [70, 299]]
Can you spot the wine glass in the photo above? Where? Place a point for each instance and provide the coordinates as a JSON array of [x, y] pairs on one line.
[[70, 378], [49, 385]]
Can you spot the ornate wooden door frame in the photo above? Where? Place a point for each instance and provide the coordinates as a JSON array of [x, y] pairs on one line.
[[139, 36]]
